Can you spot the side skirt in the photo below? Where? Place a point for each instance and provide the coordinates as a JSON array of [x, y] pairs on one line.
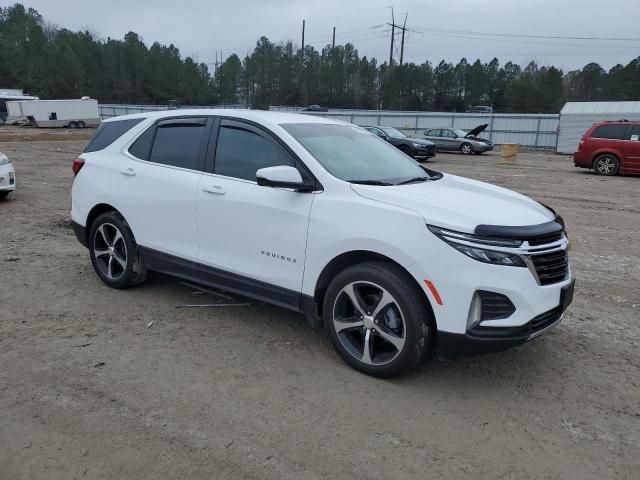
[[223, 280]]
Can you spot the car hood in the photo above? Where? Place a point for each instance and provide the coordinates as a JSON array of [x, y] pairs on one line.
[[460, 203], [420, 141], [476, 131]]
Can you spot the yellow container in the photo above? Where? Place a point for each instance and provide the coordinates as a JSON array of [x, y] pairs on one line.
[[509, 152]]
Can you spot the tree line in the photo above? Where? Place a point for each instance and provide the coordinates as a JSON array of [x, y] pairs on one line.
[[53, 62]]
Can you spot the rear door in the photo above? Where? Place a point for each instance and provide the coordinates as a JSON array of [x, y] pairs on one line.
[[434, 136], [158, 182], [631, 150], [252, 236]]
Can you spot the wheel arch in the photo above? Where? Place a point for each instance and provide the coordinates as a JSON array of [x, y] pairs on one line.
[[94, 213], [606, 151], [348, 259]]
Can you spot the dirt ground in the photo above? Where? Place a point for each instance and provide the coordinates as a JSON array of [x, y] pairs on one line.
[[89, 390]]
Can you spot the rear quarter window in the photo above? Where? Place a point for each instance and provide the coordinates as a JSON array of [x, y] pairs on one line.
[[109, 132], [613, 132]]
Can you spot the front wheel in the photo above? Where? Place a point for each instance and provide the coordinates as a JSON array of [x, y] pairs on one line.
[[606, 164], [377, 319], [114, 253], [466, 148], [406, 150]]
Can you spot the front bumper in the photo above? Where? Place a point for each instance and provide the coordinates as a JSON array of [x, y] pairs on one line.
[[478, 341], [7, 178], [426, 152]]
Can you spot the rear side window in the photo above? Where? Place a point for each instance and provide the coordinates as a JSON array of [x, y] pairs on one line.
[[635, 133], [615, 132], [177, 143], [141, 148], [241, 153], [109, 132]]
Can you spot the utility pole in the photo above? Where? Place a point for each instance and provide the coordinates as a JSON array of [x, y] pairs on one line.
[[333, 43], [302, 51], [404, 28], [393, 34]]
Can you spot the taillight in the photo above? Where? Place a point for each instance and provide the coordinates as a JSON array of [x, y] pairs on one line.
[[78, 163]]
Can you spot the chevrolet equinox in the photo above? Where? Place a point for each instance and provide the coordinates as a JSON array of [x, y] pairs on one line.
[[318, 216]]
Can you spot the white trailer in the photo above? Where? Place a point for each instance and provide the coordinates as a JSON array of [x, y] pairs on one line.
[[57, 113], [8, 95]]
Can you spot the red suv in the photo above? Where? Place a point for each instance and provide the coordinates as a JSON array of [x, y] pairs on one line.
[[610, 147]]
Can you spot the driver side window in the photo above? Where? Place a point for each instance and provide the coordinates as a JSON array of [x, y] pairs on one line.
[[447, 133], [241, 152]]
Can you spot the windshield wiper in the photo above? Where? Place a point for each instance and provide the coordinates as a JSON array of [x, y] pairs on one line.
[[414, 180], [371, 182]]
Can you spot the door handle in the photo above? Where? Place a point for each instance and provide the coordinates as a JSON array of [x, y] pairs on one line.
[[128, 171], [215, 189]]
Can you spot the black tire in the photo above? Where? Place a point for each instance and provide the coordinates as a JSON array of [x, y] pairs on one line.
[[606, 164], [417, 324], [72, 125], [406, 150], [81, 124], [123, 250], [4, 194], [466, 148]]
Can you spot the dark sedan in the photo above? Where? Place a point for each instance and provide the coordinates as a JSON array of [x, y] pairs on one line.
[[418, 148]]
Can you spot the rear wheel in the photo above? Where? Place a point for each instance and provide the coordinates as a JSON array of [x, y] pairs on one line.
[[606, 164], [81, 124], [3, 194], [377, 319], [114, 253], [466, 148], [72, 125]]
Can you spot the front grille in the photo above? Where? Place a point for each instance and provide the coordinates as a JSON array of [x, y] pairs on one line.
[[523, 331], [551, 267], [494, 306], [553, 237]]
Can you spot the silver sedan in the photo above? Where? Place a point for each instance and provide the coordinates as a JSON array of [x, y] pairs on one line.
[[454, 139]]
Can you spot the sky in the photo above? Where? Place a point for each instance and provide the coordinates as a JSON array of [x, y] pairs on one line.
[[439, 29]]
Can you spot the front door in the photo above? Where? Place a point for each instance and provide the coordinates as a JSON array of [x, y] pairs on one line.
[[253, 236]]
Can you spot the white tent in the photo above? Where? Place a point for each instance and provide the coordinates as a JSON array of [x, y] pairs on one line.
[[577, 117]]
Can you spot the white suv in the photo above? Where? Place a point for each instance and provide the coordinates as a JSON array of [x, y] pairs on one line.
[[324, 218]]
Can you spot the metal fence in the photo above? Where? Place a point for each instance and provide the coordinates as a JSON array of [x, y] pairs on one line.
[[113, 110], [538, 131]]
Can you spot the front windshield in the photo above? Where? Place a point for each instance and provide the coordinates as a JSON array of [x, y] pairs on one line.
[[352, 154], [459, 133], [393, 133]]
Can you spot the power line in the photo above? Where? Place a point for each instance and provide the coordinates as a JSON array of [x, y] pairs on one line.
[[522, 35]]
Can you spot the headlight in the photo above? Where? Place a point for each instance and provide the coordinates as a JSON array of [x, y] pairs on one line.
[[418, 145], [473, 246], [4, 160]]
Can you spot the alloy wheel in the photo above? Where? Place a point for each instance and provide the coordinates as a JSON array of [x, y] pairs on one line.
[[369, 323], [466, 149], [605, 165], [110, 251]]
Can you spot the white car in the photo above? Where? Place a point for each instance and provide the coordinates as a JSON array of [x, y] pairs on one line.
[[7, 176], [321, 217]]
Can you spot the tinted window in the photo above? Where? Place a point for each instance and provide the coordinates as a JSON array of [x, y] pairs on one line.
[[635, 132], [178, 143], [241, 153], [616, 132], [141, 148], [109, 132], [434, 133]]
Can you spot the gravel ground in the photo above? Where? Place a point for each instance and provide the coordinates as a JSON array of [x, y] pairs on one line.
[[90, 389]]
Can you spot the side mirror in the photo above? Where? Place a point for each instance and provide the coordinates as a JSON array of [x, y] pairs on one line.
[[283, 176]]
